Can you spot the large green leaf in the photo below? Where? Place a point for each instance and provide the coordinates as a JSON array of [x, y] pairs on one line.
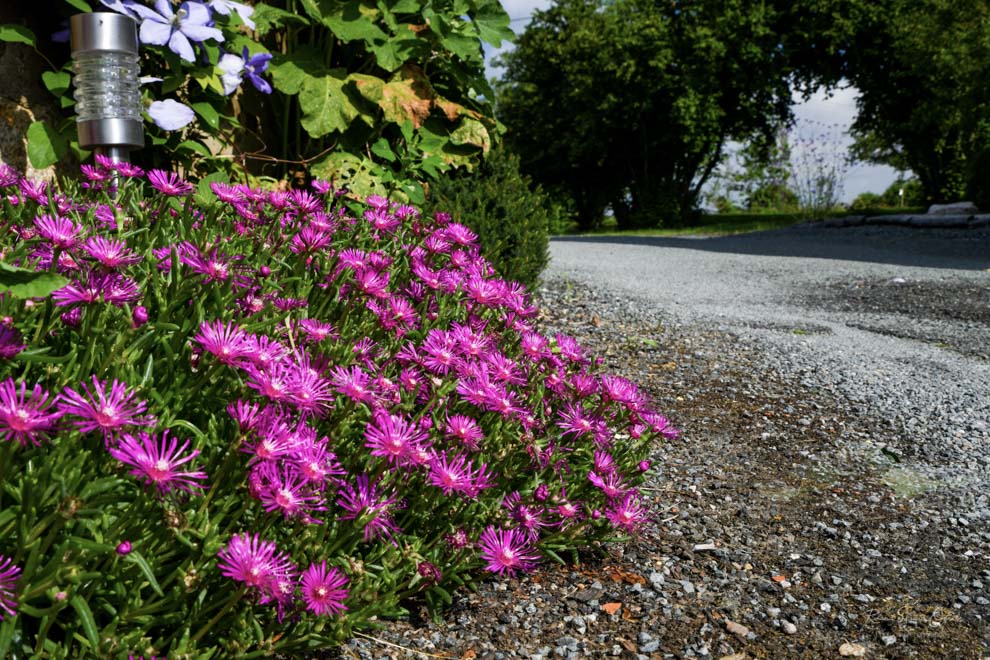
[[44, 145], [493, 23], [22, 283], [16, 34], [351, 21], [266, 17], [326, 108], [290, 71]]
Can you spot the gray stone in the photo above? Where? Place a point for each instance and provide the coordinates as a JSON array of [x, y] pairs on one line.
[[958, 208]]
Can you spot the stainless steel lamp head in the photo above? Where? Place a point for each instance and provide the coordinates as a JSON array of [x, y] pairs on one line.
[[108, 99]]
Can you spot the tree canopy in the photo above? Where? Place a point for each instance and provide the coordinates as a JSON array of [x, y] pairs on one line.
[[627, 104], [922, 69]]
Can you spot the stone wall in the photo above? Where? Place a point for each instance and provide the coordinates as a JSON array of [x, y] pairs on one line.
[[23, 97]]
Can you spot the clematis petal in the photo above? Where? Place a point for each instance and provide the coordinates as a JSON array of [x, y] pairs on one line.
[[231, 64], [230, 82], [180, 45], [259, 83], [170, 115], [164, 7], [200, 32], [126, 7], [155, 32]]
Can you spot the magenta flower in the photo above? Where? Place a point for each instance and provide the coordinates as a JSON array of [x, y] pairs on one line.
[[110, 253], [8, 586], [250, 560], [394, 438], [24, 416], [124, 548], [362, 503], [169, 183], [11, 342], [226, 341], [102, 410], [287, 491], [628, 513], [111, 288], [457, 475], [61, 233], [506, 551], [159, 462], [464, 429], [322, 589], [353, 383]]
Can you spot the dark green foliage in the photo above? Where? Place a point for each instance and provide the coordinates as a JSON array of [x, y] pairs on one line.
[[867, 201], [628, 104], [772, 196], [914, 194], [978, 188], [921, 68], [511, 216]]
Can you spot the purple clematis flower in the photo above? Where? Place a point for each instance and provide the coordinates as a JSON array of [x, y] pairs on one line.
[[235, 67], [224, 7], [125, 7], [170, 115], [190, 23]]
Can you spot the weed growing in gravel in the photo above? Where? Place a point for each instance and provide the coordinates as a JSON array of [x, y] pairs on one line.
[[246, 421]]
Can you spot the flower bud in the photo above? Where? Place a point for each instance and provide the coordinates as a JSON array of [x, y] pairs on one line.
[[124, 548], [139, 317]]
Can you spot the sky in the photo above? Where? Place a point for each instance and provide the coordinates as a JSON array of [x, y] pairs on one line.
[[837, 109]]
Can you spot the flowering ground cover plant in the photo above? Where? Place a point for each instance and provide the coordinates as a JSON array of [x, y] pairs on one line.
[[238, 422]]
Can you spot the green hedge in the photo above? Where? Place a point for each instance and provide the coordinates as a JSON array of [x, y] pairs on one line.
[[512, 217]]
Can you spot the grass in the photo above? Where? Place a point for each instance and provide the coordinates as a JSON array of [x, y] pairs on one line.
[[727, 224]]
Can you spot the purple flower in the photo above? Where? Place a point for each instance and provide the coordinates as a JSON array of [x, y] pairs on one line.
[[322, 589], [8, 584], [158, 462], [170, 115], [224, 7], [506, 551], [169, 183], [190, 23], [25, 416], [364, 504], [236, 67], [111, 288], [628, 513], [250, 560], [11, 342], [124, 548], [103, 410]]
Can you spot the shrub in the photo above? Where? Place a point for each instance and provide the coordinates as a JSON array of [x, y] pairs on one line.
[[511, 217], [914, 194], [978, 187], [867, 201], [244, 427]]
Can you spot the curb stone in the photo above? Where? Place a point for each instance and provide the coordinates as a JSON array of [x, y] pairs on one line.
[[913, 221]]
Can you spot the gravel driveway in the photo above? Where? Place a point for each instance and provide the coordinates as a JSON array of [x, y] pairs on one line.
[[829, 494], [894, 320]]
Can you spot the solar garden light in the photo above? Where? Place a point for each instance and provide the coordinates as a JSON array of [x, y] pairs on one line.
[[108, 99]]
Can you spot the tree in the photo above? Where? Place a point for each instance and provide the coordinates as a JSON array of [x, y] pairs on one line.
[[628, 104], [921, 67]]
